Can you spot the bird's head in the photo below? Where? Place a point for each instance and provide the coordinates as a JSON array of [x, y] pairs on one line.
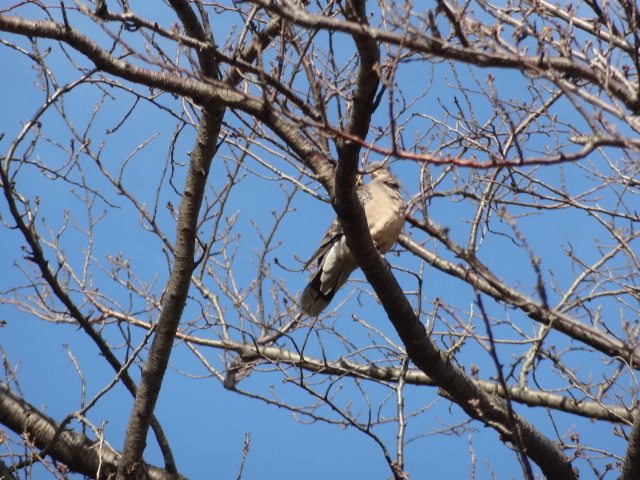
[[380, 172]]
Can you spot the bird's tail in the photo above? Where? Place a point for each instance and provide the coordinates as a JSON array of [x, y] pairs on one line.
[[335, 267], [313, 301], [329, 278]]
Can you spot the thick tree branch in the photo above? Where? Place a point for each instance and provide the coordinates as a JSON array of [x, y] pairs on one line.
[[175, 295], [184, 261], [481, 278], [249, 352], [420, 42], [367, 83], [200, 31], [5, 472], [92, 458], [427, 356], [424, 354], [631, 468], [201, 92]]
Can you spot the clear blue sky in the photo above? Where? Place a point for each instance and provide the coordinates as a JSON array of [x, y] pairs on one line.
[[205, 423]]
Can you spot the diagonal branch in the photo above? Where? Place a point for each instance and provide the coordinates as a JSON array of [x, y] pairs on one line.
[[91, 458], [175, 296], [211, 92], [344, 367], [37, 256], [177, 289], [481, 278], [419, 42], [426, 355]]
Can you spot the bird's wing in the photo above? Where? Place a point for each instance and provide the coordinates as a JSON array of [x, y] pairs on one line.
[[334, 232]]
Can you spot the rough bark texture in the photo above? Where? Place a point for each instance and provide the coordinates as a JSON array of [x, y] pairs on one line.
[[79, 453], [175, 296]]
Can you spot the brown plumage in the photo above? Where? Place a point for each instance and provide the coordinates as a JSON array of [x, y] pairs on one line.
[[384, 209]]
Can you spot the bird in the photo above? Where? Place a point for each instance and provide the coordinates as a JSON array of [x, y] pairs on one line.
[[384, 208]]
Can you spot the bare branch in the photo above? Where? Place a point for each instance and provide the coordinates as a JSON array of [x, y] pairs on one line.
[[79, 453]]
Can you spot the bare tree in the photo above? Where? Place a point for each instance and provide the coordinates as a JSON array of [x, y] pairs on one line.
[[168, 169]]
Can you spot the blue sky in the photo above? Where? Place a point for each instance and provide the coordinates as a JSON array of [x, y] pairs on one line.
[[207, 424]]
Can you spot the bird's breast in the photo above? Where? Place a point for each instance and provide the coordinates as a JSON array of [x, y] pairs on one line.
[[385, 216]]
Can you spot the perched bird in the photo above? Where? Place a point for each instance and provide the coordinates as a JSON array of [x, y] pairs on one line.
[[384, 209]]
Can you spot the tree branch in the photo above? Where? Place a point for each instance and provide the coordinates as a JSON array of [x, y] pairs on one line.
[[251, 351], [481, 278], [38, 257], [420, 42], [631, 467], [175, 295], [367, 83], [91, 458], [425, 354]]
